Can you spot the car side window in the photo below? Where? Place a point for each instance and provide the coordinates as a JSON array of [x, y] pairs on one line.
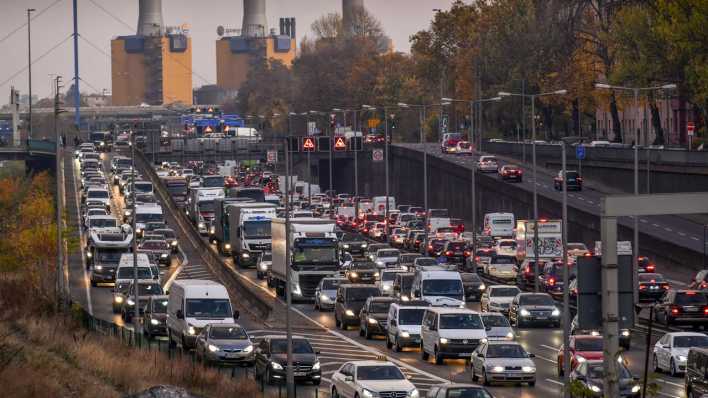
[[434, 323], [442, 393], [662, 341]]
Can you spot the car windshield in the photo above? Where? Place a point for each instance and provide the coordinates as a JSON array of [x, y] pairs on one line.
[[206, 206], [460, 321], [507, 260], [588, 345], [690, 341], [300, 346], [467, 392], [159, 306], [166, 233], [379, 307], [691, 298], [504, 292], [576, 246], [425, 262], [143, 187], [651, 278], [457, 246], [267, 257], [227, 333], [410, 316], [469, 277], [388, 276], [256, 229], [177, 188], [598, 372], [155, 245], [535, 299], [149, 289], [508, 244], [382, 372], [361, 294], [388, 253], [495, 320], [109, 256], [212, 182], [127, 273], [208, 308], [331, 284], [347, 237], [148, 217], [97, 194], [442, 287], [444, 230], [505, 351], [315, 255]]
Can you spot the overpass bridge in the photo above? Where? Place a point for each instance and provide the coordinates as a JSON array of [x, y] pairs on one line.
[[37, 154]]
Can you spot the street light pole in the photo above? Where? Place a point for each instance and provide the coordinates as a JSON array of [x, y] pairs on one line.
[[29, 69], [386, 169], [289, 375]]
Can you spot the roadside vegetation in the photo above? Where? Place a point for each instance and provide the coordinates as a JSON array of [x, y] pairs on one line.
[[45, 351]]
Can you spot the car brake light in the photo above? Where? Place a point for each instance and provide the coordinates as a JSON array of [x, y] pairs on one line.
[[477, 258], [552, 281], [467, 253], [642, 287], [430, 247], [704, 285], [691, 293], [705, 311], [675, 310], [651, 268], [448, 253]]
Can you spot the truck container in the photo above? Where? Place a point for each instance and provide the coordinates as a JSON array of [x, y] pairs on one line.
[[313, 254], [550, 240]]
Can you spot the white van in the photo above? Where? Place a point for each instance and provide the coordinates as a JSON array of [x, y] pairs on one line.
[[499, 225], [404, 325], [450, 333], [193, 304], [145, 213], [439, 288], [379, 204], [125, 274]]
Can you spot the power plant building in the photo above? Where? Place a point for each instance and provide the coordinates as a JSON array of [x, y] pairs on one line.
[[153, 66]]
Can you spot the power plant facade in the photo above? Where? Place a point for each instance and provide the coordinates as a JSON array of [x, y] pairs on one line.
[[235, 53], [154, 66]]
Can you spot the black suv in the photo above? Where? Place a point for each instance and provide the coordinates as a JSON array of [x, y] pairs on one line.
[[350, 301], [271, 360], [573, 181], [455, 252], [353, 243], [361, 272], [373, 317], [682, 307]]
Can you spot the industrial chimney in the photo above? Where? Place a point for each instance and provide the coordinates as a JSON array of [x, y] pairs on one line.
[[150, 18], [349, 10], [254, 18]]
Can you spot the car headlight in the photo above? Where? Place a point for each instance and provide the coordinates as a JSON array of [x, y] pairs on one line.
[[174, 243], [349, 313], [316, 366], [191, 331], [681, 358], [139, 231], [99, 268], [248, 349], [163, 255], [386, 287], [443, 340], [127, 212], [594, 333], [276, 365], [636, 389], [296, 290], [556, 312], [528, 369], [625, 333], [482, 287], [212, 230], [414, 393], [154, 322], [368, 394], [354, 274], [213, 348], [89, 255], [405, 298], [373, 321], [346, 246], [595, 388], [245, 255], [201, 225], [580, 358], [510, 336], [405, 335], [376, 274], [497, 369], [227, 246], [364, 245], [524, 312], [380, 263], [118, 299]]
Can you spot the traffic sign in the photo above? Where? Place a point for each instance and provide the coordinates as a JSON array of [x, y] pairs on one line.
[[340, 143], [580, 152], [308, 144], [690, 128], [272, 156], [377, 155]]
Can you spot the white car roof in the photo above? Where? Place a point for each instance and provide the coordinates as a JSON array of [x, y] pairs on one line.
[[452, 310], [372, 363]]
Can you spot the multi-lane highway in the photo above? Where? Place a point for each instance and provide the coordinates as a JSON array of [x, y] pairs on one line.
[[338, 346]]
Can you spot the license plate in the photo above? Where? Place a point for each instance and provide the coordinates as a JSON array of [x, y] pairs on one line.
[[232, 355], [541, 318], [300, 373], [464, 354], [690, 309]]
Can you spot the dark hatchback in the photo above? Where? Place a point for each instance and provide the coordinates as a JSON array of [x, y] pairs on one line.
[[573, 181], [652, 286], [271, 360], [473, 285], [353, 243], [349, 302], [361, 272], [373, 317]]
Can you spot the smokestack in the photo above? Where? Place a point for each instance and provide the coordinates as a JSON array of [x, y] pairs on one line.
[[254, 18], [150, 18], [349, 9]]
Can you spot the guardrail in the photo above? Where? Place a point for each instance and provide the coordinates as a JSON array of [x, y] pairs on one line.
[[260, 306]]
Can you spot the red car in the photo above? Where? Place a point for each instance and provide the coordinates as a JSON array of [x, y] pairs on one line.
[[582, 347], [449, 142], [509, 172], [645, 265]]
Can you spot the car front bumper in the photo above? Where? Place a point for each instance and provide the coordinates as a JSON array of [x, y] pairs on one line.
[[511, 377], [229, 358]]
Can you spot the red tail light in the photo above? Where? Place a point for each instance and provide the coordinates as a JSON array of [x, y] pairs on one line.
[[705, 311], [467, 253], [552, 281], [430, 247], [366, 230], [448, 253], [642, 287], [675, 310], [477, 258], [651, 268], [704, 285]]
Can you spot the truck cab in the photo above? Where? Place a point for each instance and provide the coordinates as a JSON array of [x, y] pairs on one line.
[[248, 231], [201, 207]]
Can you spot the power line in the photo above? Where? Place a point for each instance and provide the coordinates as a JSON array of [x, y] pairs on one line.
[[90, 85], [4, 82], [35, 16], [95, 47]]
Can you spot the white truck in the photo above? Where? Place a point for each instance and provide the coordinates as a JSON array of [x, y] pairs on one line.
[[380, 204], [499, 225], [550, 239], [249, 231], [201, 207], [313, 255], [106, 246]]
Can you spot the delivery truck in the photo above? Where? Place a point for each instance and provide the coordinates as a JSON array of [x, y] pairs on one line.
[[550, 239], [313, 254], [249, 231]]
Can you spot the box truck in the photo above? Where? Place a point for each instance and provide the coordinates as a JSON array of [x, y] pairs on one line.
[[249, 231]]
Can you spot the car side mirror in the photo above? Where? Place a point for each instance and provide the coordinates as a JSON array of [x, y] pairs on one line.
[[317, 352], [532, 355], [480, 355], [416, 292], [180, 314], [237, 314], [349, 379], [393, 322], [488, 328]]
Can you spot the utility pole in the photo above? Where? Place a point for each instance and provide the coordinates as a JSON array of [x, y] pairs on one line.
[[289, 375], [566, 277], [474, 188], [59, 206], [77, 95], [29, 68], [386, 169], [356, 149], [136, 292]]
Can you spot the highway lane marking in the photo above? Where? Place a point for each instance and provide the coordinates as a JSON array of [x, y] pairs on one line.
[[591, 202], [643, 220], [81, 246], [558, 383], [664, 381], [682, 234], [546, 359], [666, 229], [549, 347], [655, 225], [183, 263], [581, 198], [694, 238]]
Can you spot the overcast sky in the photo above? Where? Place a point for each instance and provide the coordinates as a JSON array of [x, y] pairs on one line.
[[52, 23]]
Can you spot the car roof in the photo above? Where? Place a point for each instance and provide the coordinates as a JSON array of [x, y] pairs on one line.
[[371, 363], [679, 334], [452, 310]]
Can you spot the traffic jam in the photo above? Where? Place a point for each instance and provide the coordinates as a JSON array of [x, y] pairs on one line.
[[404, 280]]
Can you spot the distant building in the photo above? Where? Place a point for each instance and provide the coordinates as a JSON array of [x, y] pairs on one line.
[[212, 94], [97, 100]]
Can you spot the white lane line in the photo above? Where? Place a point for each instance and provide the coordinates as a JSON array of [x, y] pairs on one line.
[[545, 359], [591, 202], [558, 383], [682, 234], [694, 238], [666, 229], [655, 225], [81, 246], [184, 263], [549, 347], [581, 198], [644, 220], [664, 381]]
